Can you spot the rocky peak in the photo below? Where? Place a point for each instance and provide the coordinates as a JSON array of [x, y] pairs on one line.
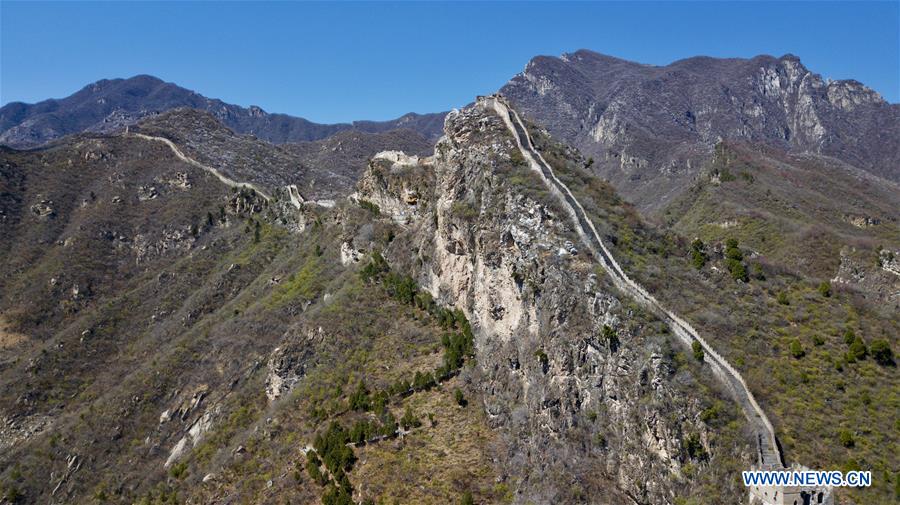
[[490, 240], [650, 128]]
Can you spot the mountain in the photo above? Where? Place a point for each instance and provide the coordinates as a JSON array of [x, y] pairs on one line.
[[110, 104], [213, 327], [324, 169], [176, 326], [191, 314], [650, 129]]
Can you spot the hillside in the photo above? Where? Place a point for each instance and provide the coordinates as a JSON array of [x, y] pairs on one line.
[[245, 351], [189, 314], [227, 337], [796, 301]]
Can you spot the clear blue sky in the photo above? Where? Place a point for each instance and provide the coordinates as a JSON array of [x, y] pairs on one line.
[[343, 61]]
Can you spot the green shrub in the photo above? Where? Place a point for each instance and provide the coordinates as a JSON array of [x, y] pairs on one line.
[[515, 156], [852, 465], [698, 257], [846, 438], [359, 399], [858, 350], [361, 431], [737, 269], [694, 447], [611, 337], [409, 419], [796, 349], [825, 289], [849, 336], [734, 261], [423, 381], [388, 424], [460, 399], [304, 283], [335, 495], [379, 401], [12, 494], [401, 287], [332, 447], [543, 359], [712, 413], [732, 251], [698, 350], [375, 268], [369, 206], [467, 498], [178, 470], [882, 352], [757, 272], [783, 298], [463, 210], [315, 473]]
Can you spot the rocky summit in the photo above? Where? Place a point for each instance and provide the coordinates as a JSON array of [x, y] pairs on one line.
[[607, 283], [651, 129]]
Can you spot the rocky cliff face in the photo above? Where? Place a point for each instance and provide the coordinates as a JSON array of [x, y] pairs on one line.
[[649, 129], [581, 382]]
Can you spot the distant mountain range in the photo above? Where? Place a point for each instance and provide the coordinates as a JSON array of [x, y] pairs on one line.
[[110, 104], [650, 129]]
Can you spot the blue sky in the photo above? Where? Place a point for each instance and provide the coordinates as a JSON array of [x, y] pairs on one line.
[[333, 62]]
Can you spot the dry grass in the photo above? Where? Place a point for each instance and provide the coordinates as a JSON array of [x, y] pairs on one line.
[[9, 338], [435, 463]]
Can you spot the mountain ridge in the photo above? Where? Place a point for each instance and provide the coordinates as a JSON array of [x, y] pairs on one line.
[[110, 104], [650, 129]]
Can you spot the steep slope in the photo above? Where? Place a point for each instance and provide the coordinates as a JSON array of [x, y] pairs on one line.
[[768, 452], [166, 339], [583, 383], [800, 211], [803, 344], [650, 129], [110, 104]]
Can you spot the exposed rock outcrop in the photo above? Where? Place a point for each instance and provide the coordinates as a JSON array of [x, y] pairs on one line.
[[650, 129], [579, 381]]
